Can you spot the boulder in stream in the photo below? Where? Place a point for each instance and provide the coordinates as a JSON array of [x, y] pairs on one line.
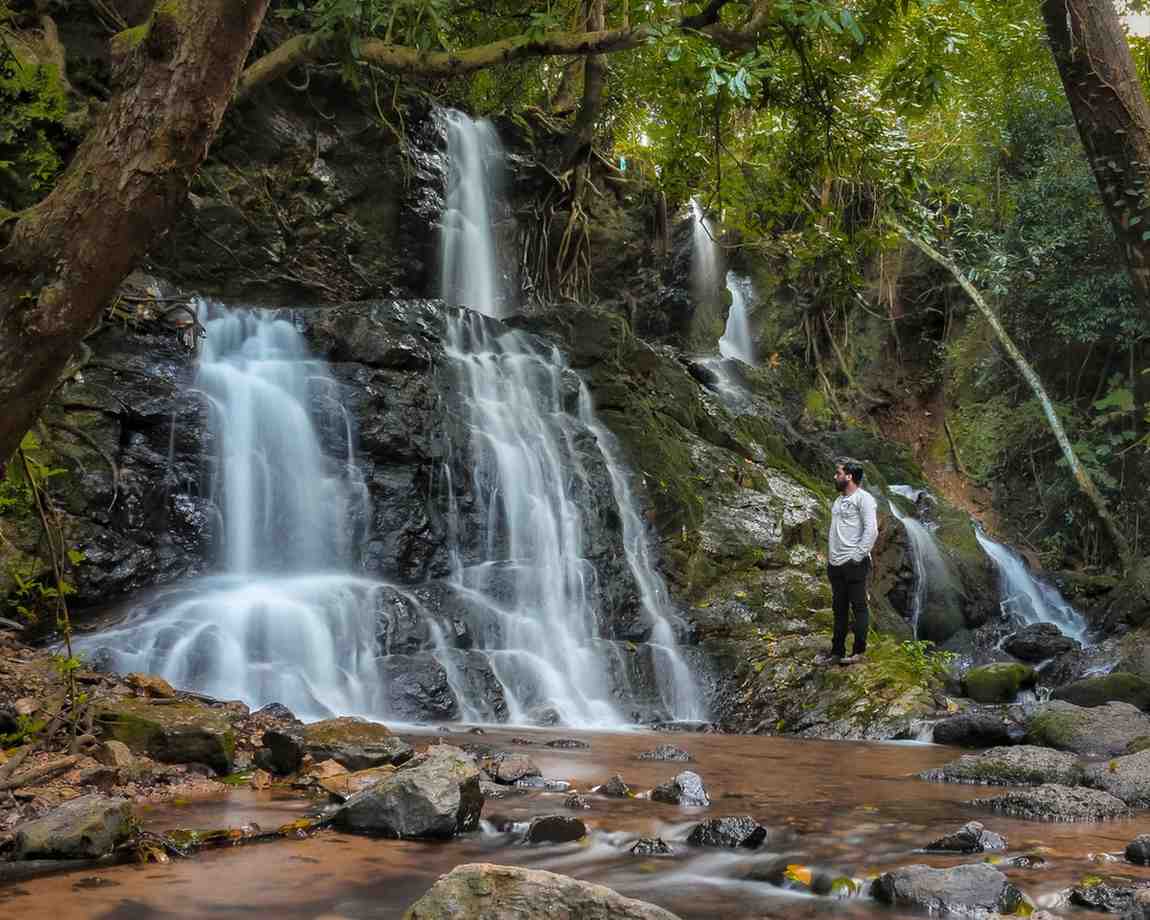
[[975, 730], [615, 788], [84, 828], [169, 731], [355, 743], [481, 891], [1021, 765], [507, 768], [1138, 850], [652, 846], [1130, 900], [998, 682], [685, 789], [1126, 778], [972, 837], [1105, 730], [1052, 802], [1115, 686], [434, 795], [666, 752], [1038, 642], [555, 829], [971, 889], [282, 752], [732, 831]]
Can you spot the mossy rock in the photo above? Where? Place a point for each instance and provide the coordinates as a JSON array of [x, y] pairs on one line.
[[182, 732], [354, 743], [998, 682], [1117, 685]]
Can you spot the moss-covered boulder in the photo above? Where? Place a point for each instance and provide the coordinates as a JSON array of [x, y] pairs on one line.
[[354, 743], [1022, 765], [1106, 730], [998, 682], [171, 732], [84, 828], [1117, 685]]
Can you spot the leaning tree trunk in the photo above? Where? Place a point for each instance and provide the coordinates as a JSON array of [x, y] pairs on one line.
[[1093, 58], [1081, 476], [594, 85], [66, 255]]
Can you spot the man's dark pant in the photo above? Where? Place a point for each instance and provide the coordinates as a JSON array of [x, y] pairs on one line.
[[848, 593]]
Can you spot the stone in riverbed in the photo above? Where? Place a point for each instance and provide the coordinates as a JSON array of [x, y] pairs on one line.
[[1126, 778], [343, 786], [283, 751], [576, 801], [507, 768], [971, 889], [733, 831], [975, 730], [1021, 765], [356, 744], [998, 682], [1138, 850], [1128, 900], [1052, 802], [567, 744], [1105, 730], [1115, 686], [435, 795], [972, 837], [481, 891], [652, 846], [615, 788], [685, 789], [1038, 642], [666, 752], [84, 828], [555, 829], [171, 732]]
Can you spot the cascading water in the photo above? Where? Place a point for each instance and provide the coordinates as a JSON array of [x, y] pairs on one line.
[[736, 341], [704, 255], [931, 574], [1028, 599], [528, 458]]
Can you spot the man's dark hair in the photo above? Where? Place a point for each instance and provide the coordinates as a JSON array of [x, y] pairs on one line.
[[852, 468]]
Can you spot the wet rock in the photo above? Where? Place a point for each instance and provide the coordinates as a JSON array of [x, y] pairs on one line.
[[1117, 685], [318, 772], [356, 744], [417, 689], [152, 686], [434, 795], [84, 828], [1021, 765], [283, 751], [343, 786], [576, 802], [1105, 730], [1126, 778], [998, 682], [1108, 897], [652, 846], [277, 711], [685, 789], [555, 829], [1052, 802], [666, 752], [972, 837], [961, 889], [1038, 642], [494, 791], [567, 744], [172, 732], [1138, 850], [615, 788], [481, 891], [115, 754], [734, 831], [507, 768], [974, 730]]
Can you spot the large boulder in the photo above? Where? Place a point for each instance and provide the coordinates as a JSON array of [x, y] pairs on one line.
[[481, 891], [974, 889], [1126, 778], [998, 682], [1138, 850], [732, 831], [974, 730], [508, 768], [555, 829], [685, 789], [171, 732], [356, 744], [1038, 642], [1052, 802], [1115, 686], [1022, 765], [84, 828], [1105, 730], [434, 795]]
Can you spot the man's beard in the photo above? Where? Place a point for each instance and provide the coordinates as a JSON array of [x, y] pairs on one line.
[[841, 485]]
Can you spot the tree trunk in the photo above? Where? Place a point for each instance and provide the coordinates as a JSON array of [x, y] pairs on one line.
[[67, 254], [1113, 119], [1081, 476], [594, 85]]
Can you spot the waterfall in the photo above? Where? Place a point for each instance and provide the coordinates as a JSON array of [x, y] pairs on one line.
[[704, 256], [526, 457], [932, 578], [1027, 599], [736, 341]]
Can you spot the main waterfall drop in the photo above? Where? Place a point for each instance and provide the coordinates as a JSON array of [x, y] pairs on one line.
[[525, 457]]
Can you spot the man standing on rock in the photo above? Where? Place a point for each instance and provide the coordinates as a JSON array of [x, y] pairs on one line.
[[854, 529]]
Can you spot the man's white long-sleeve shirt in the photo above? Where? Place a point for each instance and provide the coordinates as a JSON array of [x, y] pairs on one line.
[[854, 527]]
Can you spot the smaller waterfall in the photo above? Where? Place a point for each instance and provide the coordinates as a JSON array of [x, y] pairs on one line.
[[704, 256], [1027, 599], [736, 341], [930, 570]]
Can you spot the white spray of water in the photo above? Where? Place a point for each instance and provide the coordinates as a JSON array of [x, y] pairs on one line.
[[736, 341]]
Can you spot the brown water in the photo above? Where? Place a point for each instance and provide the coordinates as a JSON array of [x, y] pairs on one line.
[[851, 807]]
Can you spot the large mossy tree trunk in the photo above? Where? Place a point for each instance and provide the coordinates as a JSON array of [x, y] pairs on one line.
[[63, 259]]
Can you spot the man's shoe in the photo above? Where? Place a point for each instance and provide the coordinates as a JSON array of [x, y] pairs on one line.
[[827, 658], [851, 659]]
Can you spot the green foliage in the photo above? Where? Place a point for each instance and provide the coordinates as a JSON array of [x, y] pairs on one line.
[[893, 668], [32, 135]]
